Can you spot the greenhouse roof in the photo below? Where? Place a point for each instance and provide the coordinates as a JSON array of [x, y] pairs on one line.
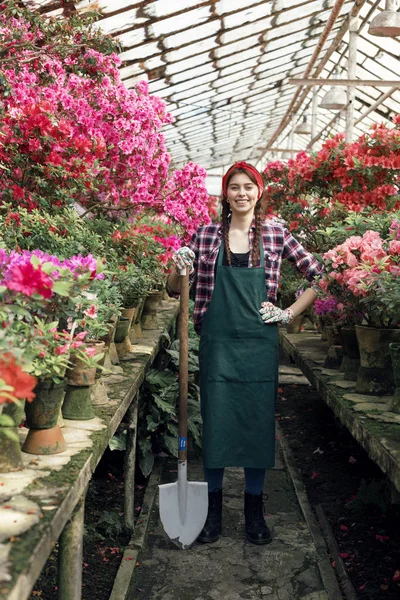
[[224, 68]]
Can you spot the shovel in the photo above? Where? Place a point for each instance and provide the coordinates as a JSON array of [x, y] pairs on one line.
[[183, 504]]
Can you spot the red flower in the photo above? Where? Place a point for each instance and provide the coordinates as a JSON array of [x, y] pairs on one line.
[[18, 192], [28, 280], [13, 375]]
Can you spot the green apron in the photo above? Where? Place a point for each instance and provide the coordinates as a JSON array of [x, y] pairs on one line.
[[238, 371]]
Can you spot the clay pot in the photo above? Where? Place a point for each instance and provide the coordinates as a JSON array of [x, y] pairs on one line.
[[322, 322], [334, 357], [122, 329], [129, 313], [351, 353], [78, 374], [77, 403], [10, 450], [152, 302], [296, 325], [109, 336], [149, 314], [395, 356], [45, 435], [332, 336], [136, 326], [375, 375]]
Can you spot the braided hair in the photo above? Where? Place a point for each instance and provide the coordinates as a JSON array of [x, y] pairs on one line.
[[258, 215]]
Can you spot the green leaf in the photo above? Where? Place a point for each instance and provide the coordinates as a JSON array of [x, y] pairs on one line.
[[6, 421], [146, 463], [171, 444], [173, 429], [164, 405], [151, 424], [118, 442], [35, 260], [61, 288], [12, 435], [160, 378]]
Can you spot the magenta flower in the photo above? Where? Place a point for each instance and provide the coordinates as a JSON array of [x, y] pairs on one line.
[[28, 280]]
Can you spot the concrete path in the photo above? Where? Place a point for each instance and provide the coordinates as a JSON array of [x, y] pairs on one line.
[[233, 569]]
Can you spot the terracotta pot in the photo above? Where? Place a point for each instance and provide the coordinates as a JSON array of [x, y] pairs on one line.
[[10, 450], [109, 336], [45, 435], [375, 375], [129, 313], [79, 374], [351, 353], [77, 403], [152, 302], [122, 329], [332, 336], [149, 315], [395, 357], [137, 328], [296, 325]]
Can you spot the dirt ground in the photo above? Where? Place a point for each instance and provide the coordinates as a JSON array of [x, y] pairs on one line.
[[105, 537], [351, 489]]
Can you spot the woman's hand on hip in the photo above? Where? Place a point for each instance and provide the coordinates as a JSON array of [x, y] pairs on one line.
[[272, 314], [184, 258]]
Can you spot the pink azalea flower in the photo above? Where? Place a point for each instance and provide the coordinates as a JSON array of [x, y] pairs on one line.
[[91, 311], [62, 349], [28, 280]]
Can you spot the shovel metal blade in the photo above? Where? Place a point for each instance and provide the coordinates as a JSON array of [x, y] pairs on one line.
[[183, 512]]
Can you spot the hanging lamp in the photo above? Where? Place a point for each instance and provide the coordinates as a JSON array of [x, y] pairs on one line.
[[303, 128], [387, 22], [335, 98]]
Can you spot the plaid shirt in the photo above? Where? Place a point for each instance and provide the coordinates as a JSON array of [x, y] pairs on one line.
[[278, 243]]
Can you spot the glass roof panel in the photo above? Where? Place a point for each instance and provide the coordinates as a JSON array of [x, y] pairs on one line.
[[223, 66]]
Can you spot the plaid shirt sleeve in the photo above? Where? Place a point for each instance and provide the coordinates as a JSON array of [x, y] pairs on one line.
[[303, 260], [193, 245]]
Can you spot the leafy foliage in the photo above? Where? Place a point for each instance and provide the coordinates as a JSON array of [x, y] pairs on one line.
[[158, 414]]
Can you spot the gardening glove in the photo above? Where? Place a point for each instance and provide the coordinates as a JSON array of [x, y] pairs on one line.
[[273, 314], [184, 259]]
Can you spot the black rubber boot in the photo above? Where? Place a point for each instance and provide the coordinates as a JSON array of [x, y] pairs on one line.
[[256, 527], [212, 528]]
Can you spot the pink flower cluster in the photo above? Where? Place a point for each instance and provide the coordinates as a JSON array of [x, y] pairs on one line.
[[72, 115], [354, 263], [27, 273], [186, 198]]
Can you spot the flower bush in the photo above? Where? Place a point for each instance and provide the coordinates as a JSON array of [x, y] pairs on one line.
[[365, 272], [314, 192], [72, 132]]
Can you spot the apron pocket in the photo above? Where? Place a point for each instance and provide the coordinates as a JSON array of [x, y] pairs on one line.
[[241, 360]]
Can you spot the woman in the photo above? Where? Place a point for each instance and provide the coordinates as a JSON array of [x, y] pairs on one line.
[[237, 266]]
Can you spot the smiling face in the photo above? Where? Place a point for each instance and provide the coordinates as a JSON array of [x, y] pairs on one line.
[[242, 194]]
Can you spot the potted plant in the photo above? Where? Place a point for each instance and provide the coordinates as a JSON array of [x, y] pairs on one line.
[[15, 385], [49, 352], [367, 268]]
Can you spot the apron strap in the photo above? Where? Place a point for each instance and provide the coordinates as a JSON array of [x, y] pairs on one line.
[[222, 249]]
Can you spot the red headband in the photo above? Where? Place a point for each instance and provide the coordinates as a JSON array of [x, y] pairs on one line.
[[246, 167]]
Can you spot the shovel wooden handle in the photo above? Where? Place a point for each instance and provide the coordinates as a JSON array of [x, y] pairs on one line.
[[183, 365]]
